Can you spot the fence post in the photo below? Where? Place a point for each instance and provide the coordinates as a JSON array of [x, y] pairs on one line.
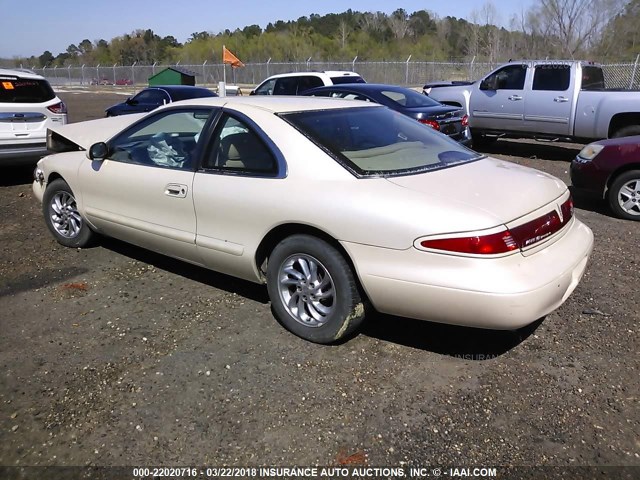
[[471, 76], [114, 72], [133, 73], [153, 68], [268, 62], [69, 73], [633, 75], [204, 75], [82, 70], [353, 64], [98, 74], [406, 71]]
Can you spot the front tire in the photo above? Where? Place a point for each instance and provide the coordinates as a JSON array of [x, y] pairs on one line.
[[624, 195], [313, 291], [62, 217]]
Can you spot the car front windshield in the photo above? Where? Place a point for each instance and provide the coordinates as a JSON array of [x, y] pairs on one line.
[[378, 141]]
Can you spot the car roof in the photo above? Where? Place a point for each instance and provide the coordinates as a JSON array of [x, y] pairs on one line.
[[330, 73], [362, 87], [175, 88], [275, 103], [20, 73]]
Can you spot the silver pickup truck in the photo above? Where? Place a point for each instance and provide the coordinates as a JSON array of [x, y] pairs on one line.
[[550, 100]]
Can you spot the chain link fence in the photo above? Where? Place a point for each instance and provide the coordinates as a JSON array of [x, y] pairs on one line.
[[415, 74]]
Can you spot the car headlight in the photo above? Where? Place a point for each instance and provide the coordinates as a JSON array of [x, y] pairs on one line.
[[589, 152]]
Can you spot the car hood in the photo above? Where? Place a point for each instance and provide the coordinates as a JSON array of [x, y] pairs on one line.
[[500, 190], [85, 134]]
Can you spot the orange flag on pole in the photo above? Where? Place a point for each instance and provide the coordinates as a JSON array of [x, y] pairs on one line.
[[230, 58]]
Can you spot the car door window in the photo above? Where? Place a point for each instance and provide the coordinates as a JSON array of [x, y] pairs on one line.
[[266, 88], [286, 86], [511, 77], [308, 82], [166, 140], [155, 97], [238, 149], [552, 77]]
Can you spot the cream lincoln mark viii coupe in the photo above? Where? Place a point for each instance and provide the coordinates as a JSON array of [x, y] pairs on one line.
[[332, 203]]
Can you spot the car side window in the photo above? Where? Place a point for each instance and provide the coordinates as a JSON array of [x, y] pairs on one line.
[[552, 77], [266, 88], [286, 86], [237, 148], [166, 140], [308, 82], [511, 77], [151, 96]]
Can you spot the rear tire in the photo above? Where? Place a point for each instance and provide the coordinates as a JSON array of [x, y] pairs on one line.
[[62, 217], [313, 291], [627, 131], [624, 195]]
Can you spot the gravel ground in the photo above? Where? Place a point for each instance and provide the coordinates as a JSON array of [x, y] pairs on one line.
[[116, 356]]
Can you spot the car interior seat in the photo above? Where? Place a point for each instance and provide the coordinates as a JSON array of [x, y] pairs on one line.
[[244, 151]]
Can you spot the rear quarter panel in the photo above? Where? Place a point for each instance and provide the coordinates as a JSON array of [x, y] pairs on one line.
[[596, 109]]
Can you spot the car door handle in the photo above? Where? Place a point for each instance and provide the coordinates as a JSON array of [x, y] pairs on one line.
[[176, 190], [561, 99], [515, 98]]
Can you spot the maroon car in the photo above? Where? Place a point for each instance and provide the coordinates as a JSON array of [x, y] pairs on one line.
[[610, 169]]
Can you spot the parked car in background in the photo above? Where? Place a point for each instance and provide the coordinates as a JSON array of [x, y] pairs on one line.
[[451, 121], [610, 170], [297, 82], [124, 81], [546, 99], [153, 97], [103, 81], [28, 106], [334, 204]]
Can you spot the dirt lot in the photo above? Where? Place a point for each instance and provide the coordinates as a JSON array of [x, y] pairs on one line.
[[116, 356]]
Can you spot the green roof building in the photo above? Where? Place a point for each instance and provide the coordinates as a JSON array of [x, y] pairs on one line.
[[173, 76]]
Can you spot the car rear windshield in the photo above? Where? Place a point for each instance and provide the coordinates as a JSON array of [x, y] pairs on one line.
[[377, 141], [25, 90], [347, 79], [409, 99]]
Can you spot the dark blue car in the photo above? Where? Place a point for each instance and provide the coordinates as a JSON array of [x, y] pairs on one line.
[[446, 119], [153, 97]]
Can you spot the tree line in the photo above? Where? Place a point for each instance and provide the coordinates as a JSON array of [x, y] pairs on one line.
[[604, 30]]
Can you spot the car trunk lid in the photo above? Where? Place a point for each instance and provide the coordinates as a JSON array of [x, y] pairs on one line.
[[503, 190]]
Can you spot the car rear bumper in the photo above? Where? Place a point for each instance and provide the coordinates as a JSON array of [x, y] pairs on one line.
[[24, 154], [499, 293]]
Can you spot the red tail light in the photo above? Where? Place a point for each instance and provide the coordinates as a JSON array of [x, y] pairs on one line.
[[501, 242], [430, 123], [542, 227], [465, 121], [506, 241], [58, 108]]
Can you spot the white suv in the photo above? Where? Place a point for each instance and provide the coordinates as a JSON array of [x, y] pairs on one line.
[[28, 105], [297, 82]]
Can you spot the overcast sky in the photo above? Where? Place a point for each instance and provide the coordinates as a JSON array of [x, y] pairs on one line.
[[30, 28]]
